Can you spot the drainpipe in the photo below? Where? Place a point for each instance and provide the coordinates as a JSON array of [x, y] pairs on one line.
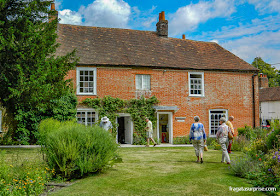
[[254, 104]]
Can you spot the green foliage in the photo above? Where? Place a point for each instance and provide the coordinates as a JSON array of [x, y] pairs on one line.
[[271, 72], [239, 143], [213, 144], [137, 108], [181, 140], [108, 106], [245, 165], [22, 177], [273, 136], [261, 161], [32, 78], [74, 150]]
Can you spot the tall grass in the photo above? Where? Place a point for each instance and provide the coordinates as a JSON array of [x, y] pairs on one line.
[[74, 150]]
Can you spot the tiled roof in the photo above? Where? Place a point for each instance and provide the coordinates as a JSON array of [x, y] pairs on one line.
[[112, 46], [269, 94]]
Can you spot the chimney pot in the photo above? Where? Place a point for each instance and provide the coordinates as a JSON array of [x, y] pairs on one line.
[[159, 17], [183, 36], [162, 15]]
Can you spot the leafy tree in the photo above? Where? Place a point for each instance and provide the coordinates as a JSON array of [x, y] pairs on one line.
[[272, 73], [32, 78]]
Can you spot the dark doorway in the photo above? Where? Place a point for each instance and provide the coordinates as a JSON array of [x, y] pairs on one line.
[[121, 130]]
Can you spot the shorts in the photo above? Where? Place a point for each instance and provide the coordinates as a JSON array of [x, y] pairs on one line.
[[149, 134]]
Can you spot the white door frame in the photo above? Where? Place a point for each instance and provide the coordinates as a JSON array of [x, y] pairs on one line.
[[170, 125], [131, 126]]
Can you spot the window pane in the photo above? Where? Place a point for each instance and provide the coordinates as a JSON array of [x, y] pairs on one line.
[[138, 82], [146, 82], [91, 73]]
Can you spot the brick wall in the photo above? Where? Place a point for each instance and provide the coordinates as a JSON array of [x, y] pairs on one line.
[[223, 90]]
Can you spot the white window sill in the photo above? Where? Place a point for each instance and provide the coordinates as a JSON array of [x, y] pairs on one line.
[[196, 96], [92, 94]]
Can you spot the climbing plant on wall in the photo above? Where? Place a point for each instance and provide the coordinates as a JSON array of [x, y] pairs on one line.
[[137, 108]]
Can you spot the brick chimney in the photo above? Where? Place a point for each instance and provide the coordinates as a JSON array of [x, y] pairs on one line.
[[263, 81], [54, 14], [162, 25]]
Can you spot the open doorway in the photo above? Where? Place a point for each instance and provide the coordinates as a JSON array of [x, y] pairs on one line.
[[165, 127], [125, 129]]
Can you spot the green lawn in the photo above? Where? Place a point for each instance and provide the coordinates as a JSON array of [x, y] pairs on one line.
[[162, 171]]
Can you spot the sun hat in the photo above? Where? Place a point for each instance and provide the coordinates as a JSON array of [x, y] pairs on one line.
[[105, 119]]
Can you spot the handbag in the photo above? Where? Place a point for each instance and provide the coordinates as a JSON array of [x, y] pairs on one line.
[[230, 135], [205, 148]]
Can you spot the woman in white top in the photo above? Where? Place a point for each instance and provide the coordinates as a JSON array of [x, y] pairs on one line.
[[222, 137]]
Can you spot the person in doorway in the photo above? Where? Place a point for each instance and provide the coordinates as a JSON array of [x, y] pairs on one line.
[[106, 124], [229, 124], [149, 132], [197, 134], [222, 137]]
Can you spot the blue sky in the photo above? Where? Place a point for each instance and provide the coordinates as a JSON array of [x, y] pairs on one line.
[[247, 28]]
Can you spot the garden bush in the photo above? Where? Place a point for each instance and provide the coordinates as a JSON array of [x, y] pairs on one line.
[[239, 143], [261, 161], [74, 150], [243, 166], [272, 139], [213, 144], [181, 140]]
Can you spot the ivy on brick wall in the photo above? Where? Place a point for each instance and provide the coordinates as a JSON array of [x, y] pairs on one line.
[[137, 108]]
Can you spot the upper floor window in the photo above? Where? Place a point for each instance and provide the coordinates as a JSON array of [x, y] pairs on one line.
[[196, 84], [86, 117], [143, 82], [86, 81]]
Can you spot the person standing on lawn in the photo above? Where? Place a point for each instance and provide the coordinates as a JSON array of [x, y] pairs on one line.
[[229, 124], [197, 134], [222, 137], [149, 132], [106, 124]]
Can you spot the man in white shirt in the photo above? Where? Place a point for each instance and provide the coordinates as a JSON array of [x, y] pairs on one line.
[[149, 132]]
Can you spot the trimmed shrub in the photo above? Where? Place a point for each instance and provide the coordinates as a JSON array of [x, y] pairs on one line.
[[74, 150]]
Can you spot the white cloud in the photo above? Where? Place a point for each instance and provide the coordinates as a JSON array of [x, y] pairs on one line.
[[70, 17], [266, 6], [265, 45], [189, 17], [106, 13]]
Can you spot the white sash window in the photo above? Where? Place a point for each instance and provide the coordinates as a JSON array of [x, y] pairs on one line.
[[143, 82]]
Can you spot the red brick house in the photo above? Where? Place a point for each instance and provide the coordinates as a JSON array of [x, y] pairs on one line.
[[188, 77]]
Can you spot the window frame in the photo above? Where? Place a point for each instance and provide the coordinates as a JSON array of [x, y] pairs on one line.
[[78, 69], [87, 110], [202, 84], [210, 128], [142, 84]]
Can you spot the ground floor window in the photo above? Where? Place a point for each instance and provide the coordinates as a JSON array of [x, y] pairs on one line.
[[214, 120], [86, 117]]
